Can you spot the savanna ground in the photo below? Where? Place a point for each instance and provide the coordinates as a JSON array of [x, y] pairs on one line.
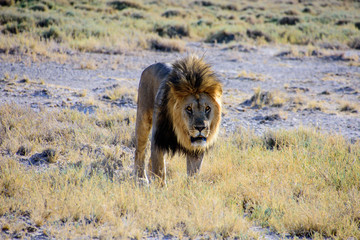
[[287, 163]]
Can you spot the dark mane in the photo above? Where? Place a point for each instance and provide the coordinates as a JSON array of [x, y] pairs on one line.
[[165, 137]]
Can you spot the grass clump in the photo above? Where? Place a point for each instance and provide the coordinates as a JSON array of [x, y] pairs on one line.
[[166, 45], [221, 36], [39, 7], [255, 34], [355, 43], [121, 5], [348, 107], [172, 31], [53, 33], [121, 93], [251, 76], [261, 99]]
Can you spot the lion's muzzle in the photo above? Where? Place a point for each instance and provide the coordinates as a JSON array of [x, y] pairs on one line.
[[198, 136]]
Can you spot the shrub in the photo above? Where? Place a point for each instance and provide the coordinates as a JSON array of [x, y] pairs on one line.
[[357, 25], [289, 21], [171, 13], [16, 28], [348, 107], [53, 33], [166, 45], [204, 3], [47, 22], [355, 43], [121, 5], [39, 7], [7, 3], [221, 36], [255, 34], [172, 31], [261, 99], [8, 17]]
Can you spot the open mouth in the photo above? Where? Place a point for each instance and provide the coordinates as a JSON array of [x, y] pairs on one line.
[[197, 139]]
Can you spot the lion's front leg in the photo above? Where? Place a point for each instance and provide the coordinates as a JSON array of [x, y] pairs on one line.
[[193, 163], [142, 130], [157, 163]]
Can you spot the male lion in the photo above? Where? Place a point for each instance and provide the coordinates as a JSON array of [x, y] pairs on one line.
[[182, 104]]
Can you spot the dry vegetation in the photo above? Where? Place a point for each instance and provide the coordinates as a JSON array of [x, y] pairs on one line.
[[117, 26], [261, 99], [251, 76], [69, 174]]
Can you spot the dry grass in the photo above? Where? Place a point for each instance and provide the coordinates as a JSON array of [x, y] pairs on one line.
[[121, 93], [82, 93], [299, 182], [166, 45], [262, 98], [118, 26], [315, 105], [90, 65], [252, 76], [348, 107]]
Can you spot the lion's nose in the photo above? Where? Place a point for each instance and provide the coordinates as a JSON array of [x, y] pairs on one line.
[[199, 128]]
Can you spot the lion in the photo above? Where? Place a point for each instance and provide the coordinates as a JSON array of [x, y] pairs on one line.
[[181, 103]]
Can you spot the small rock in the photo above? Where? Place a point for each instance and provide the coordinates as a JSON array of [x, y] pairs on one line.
[[325, 93]]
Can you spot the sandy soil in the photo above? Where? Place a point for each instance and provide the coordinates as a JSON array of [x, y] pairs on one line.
[[311, 89]]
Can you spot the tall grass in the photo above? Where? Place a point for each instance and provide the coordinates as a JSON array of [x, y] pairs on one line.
[[299, 182]]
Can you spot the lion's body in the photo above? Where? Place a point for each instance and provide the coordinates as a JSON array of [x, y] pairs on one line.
[[182, 105]]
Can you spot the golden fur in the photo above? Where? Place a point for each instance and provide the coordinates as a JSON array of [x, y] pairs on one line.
[[182, 105]]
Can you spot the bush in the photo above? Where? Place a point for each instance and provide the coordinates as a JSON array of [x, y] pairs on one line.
[[165, 45], [16, 28], [221, 36], [289, 21], [171, 13], [8, 17], [121, 5], [255, 34], [7, 3], [172, 31], [39, 7], [47, 22], [357, 25], [53, 33], [355, 43]]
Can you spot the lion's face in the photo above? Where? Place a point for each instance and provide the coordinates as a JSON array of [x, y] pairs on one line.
[[196, 121]]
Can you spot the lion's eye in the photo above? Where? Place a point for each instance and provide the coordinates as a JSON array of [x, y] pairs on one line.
[[207, 109], [189, 109]]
